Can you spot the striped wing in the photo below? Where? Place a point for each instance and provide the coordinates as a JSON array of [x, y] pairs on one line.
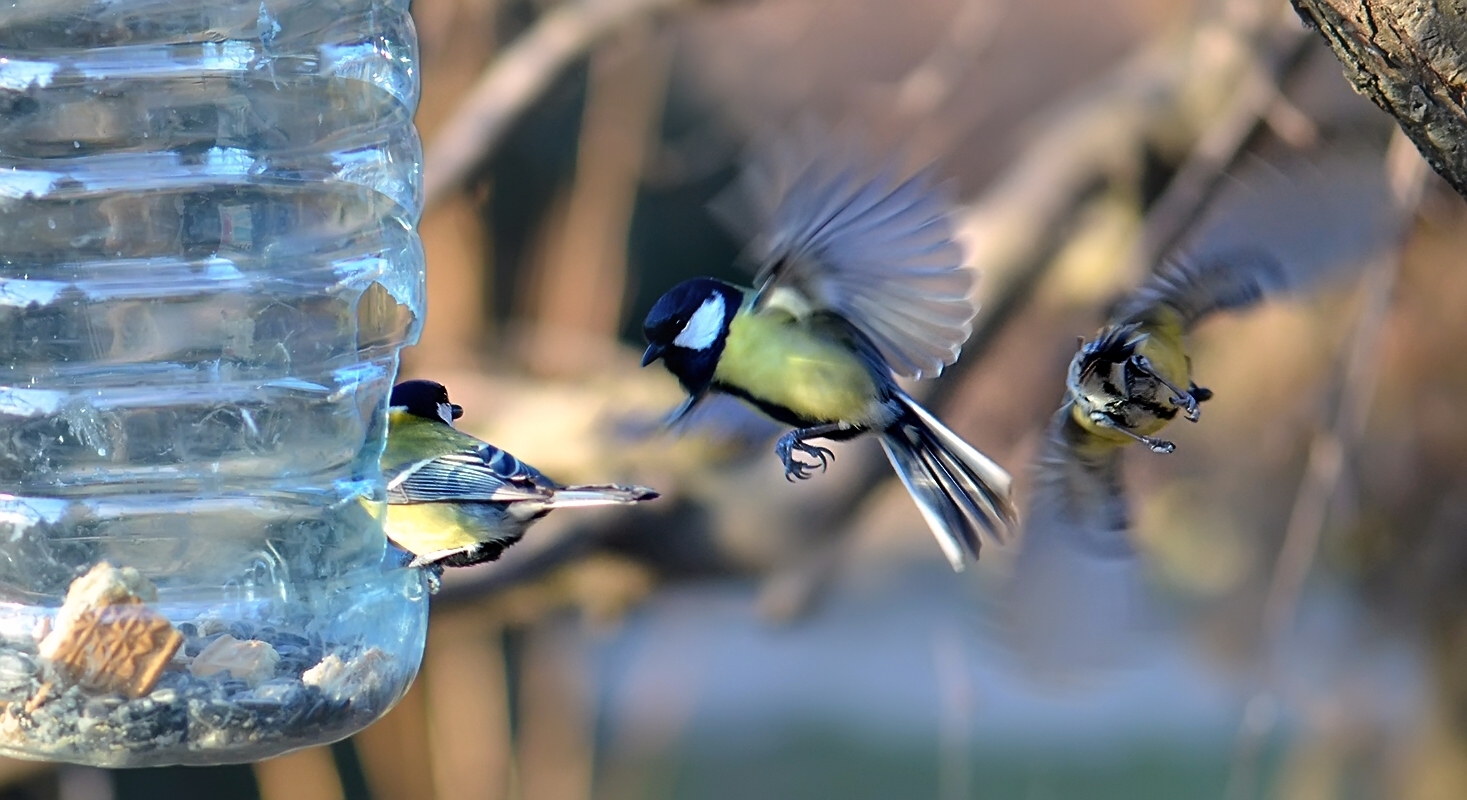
[[1216, 282], [1281, 227], [485, 474]]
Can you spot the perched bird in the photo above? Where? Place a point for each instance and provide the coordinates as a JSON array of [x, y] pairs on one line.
[[454, 500], [858, 282]]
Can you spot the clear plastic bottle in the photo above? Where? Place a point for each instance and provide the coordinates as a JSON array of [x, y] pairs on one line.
[[207, 268]]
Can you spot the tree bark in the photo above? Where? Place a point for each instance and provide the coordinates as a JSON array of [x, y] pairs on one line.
[[1410, 57]]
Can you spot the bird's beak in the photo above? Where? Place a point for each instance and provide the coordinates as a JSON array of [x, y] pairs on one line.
[[448, 412], [654, 352]]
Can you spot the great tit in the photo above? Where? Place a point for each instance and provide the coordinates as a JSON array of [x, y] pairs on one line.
[[1128, 383], [1077, 596], [1274, 228], [858, 282], [454, 500]]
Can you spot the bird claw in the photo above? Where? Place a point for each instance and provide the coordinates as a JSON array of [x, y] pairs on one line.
[[434, 574], [794, 468], [1185, 400], [1155, 445], [1188, 404]]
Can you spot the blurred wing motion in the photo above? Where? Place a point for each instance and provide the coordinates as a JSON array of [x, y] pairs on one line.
[[1318, 217], [1078, 496], [874, 248], [1194, 288], [728, 420], [1077, 598], [1275, 228]]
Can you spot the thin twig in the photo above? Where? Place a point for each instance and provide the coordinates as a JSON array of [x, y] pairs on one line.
[[1328, 453], [516, 78], [1186, 195]]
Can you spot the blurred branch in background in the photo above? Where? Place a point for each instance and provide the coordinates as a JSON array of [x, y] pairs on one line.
[[1258, 98], [1332, 448], [456, 38], [557, 714], [467, 689], [516, 78], [1405, 55], [579, 285], [308, 774], [395, 753]]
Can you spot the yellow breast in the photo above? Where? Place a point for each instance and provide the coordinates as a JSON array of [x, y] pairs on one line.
[[784, 363], [425, 528], [1164, 346]]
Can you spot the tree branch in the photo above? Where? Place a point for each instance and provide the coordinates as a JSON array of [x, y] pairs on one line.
[[1407, 57], [516, 78]]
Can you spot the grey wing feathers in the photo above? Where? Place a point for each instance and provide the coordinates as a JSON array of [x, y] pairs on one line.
[[1279, 227], [1076, 599], [1198, 287], [1078, 498], [873, 247], [1319, 216], [486, 474]]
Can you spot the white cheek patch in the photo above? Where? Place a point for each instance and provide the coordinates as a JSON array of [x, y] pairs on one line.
[[702, 330], [445, 413]]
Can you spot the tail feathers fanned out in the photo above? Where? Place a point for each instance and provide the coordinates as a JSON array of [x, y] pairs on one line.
[[603, 495], [959, 491]]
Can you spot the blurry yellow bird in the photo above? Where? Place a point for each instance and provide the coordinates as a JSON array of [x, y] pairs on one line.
[[1076, 587], [1273, 230]]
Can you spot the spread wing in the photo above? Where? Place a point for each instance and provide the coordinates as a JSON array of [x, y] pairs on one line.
[[1320, 216], [1076, 600], [1215, 282], [1078, 500], [485, 474], [1274, 227], [875, 248]]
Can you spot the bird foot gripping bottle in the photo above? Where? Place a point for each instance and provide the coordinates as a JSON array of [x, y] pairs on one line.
[[207, 267]]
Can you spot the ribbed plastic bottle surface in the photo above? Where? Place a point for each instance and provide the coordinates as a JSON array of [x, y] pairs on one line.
[[207, 267]]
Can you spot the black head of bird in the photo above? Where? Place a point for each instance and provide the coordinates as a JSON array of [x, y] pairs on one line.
[[687, 329], [426, 399]]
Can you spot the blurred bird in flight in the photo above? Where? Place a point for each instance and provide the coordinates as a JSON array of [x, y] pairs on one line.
[[1274, 230], [858, 282]]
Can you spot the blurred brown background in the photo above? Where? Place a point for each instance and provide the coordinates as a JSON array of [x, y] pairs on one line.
[[1303, 553]]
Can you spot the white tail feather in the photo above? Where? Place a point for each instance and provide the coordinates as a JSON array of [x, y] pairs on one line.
[[584, 496]]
